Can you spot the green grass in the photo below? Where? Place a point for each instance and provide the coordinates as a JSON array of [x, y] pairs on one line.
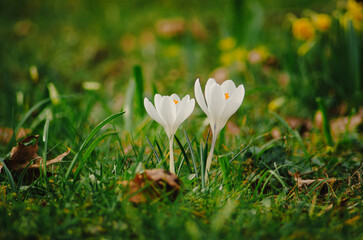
[[251, 193]]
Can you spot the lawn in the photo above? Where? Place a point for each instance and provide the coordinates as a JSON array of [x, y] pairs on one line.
[[79, 144]]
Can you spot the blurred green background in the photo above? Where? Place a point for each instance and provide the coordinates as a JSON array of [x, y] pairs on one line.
[[72, 42]]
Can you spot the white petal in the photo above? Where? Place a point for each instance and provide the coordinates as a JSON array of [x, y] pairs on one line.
[[200, 98], [216, 102], [232, 105], [175, 97], [167, 112], [180, 111], [157, 99], [208, 86], [186, 98], [186, 108], [150, 109], [189, 109], [228, 87]]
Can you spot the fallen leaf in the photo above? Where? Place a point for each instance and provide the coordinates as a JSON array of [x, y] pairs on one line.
[[25, 156], [283, 79], [342, 124], [275, 133], [7, 133], [301, 124], [352, 220], [198, 30], [307, 184], [151, 184], [220, 74], [170, 27], [233, 128]]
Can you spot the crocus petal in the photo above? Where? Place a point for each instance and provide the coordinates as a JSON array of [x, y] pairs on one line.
[[228, 87], [157, 99], [150, 109], [186, 108], [189, 109], [180, 112], [167, 112], [175, 97], [231, 106], [216, 102], [180, 107], [186, 98], [211, 82], [200, 98]]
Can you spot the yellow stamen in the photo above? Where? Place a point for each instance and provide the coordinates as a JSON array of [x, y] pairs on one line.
[[226, 95], [175, 101]]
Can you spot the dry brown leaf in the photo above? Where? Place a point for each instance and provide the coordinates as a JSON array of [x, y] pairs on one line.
[[198, 30], [151, 184], [220, 74], [307, 184], [352, 220], [275, 133], [7, 133], [301, 124], [170, 27], [283, 79], [233, 128], [342, 124], [25, 156]]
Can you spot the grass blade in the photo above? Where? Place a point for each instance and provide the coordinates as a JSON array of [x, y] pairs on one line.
[[9, 175], [326, 125], [153, 149], [240, 152], [139, 80], [184, 154], [26, 116], [159, 148], [45, 140], [192, 154], [202, 166], [293, 132], [88, 139], [90, 150]]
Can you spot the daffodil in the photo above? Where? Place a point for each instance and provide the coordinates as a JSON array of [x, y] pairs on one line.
[[322, 22], [219, 104], [303, 29], [170, 112]]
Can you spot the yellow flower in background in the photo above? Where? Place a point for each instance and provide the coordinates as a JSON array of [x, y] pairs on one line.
[[355, 10], [236, 55], [305, 47], [276, 104], [172, 51], [33, 71], [322, 22], [227, 44], [227, 58], [303, 29], [258, 55], [354, 13], [240, 54]]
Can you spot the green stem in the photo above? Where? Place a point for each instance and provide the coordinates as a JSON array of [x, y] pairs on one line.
[[326, 124], [210, 156], [171, 153]]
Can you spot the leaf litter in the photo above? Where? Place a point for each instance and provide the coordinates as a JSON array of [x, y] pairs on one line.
[[24, 156], [152, 184]]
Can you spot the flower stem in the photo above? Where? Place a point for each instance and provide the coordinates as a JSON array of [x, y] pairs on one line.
[[171, 153], [210, 156]]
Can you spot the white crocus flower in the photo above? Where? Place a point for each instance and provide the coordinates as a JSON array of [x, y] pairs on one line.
[[170, 112], [219, 104]]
